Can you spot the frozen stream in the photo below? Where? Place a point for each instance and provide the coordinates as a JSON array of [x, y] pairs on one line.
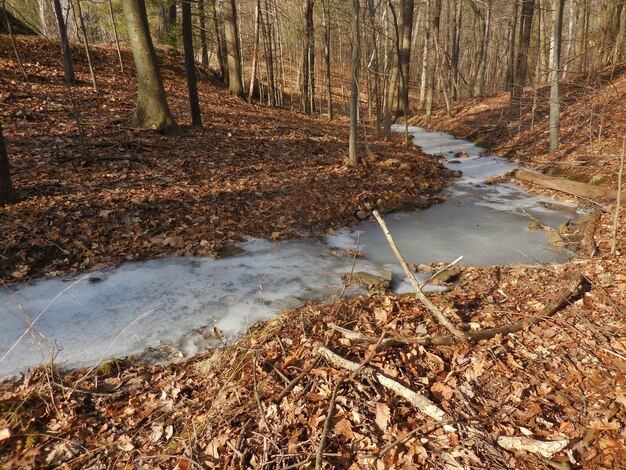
[[168, 303]]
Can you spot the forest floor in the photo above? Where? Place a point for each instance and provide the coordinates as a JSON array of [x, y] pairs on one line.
[[552, 395], [125, 194]]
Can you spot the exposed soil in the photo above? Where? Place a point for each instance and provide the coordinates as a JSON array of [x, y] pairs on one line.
[[128, 194]]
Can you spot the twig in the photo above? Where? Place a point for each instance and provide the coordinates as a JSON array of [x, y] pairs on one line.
[[295, 382], [418, 400], [432, 308], [329, 418], [549, 310], [618, 198]]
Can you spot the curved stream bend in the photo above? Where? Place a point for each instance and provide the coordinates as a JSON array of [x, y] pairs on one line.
[[173, 303]]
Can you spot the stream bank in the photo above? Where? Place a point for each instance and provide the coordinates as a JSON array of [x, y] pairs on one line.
[[171, 308]]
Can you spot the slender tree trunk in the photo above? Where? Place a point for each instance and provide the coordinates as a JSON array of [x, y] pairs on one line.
[[571, 38], [13, 43], [375, 65], [152, 110], [7, 194], [406, 29], [483, 70], [86, 44], [433, 63], [190, 66], [354, 88], [392, 85], [117, 38], [68, 63], [235, 84], [555, 109], [307, 88], [204, 48], [255, 50], [510, 71], [327, 31]]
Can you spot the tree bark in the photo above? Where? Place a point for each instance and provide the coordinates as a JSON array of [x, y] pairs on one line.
[[406, 29], [327, 31], [7, 194], [233, 54], [255, 50], [204, 49], [555, 107], [307, 88], [190, 66], [152, 110], [68, 63], [354, 88], [519, 76], [220, 42]]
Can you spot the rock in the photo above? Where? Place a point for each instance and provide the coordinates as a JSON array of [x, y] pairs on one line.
[[534, 225], [362, 214], [229, 250], [555, 238], [462, 154], [605, 279], [564, 227], [457, 173], [372, 282], [449, 275], [455, 162]]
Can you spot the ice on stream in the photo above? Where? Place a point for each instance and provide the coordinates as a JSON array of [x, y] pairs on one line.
[[174, 303]]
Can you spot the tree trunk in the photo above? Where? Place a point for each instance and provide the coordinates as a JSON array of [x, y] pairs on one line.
[[117, 38], [233, 54], [7, 194], [255, 50], [68, 63], [307, 88], [152, 110], [190, 66], [484, 50], [555, 109], [220, 42], [86, 44], [354, 88], [519, 76], [329, 96], [406, 30], [204, 49], [510, 71]]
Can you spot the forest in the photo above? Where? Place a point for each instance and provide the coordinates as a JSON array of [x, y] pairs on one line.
[[312, 234]]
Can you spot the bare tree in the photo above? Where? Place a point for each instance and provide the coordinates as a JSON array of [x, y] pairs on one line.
[[190, 66], [555, 109], [354, 88], [307, 85], [68, 63], [233, 52]]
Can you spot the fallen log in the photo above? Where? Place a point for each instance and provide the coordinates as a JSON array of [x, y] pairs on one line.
[[575, 188]]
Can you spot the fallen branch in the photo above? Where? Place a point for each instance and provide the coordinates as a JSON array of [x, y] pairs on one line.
[[432, 308], [329, 418], [418, 400], [544, 448], [574, 188], [549, 310]]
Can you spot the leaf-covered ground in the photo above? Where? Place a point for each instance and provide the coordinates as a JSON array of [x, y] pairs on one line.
[[127, 194], [563, 380], [264, 401]]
